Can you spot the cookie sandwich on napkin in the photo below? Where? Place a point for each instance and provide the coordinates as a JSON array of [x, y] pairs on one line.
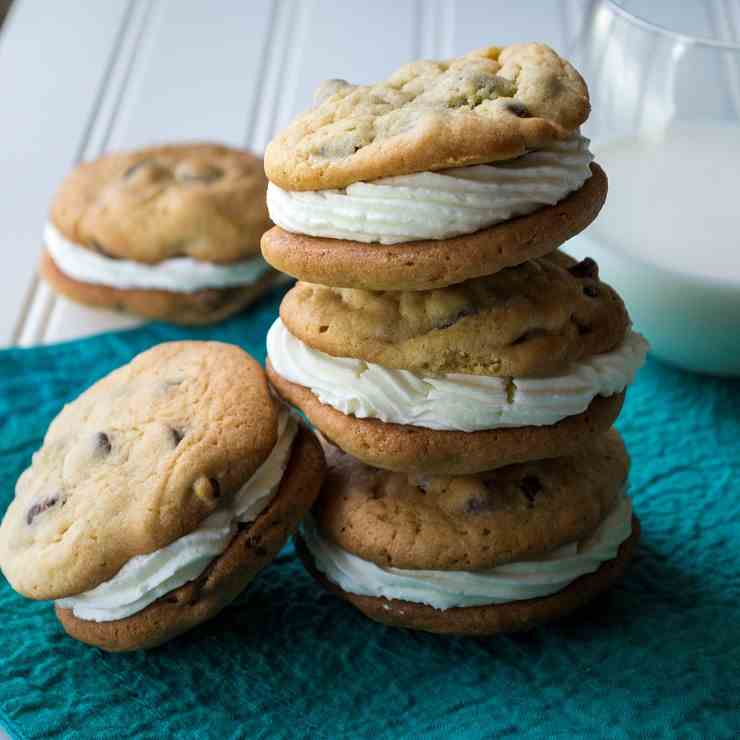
[[170, 233], [479, 554], [158, 494]]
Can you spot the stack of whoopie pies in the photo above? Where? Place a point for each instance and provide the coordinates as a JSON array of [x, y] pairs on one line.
[[464, 374]]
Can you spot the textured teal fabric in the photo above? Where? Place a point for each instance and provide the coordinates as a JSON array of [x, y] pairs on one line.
[[659, 657]]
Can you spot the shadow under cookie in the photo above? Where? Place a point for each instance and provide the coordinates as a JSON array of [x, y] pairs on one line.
[[424, 265], [406, 448], [190, 309], [493, 619], [252, 548]]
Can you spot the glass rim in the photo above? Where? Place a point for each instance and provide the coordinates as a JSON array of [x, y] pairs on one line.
[[617, 7]]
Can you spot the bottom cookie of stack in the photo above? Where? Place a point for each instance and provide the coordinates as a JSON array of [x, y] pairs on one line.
[[500, 551]]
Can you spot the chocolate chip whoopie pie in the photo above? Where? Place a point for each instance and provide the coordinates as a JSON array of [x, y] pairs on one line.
[[528, 363], [499, 551], [158, 494], [169, 232], [444, 172]]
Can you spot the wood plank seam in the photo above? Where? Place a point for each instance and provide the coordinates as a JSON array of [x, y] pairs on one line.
[[250, 134], [22, 330], [112, 95], [276, 62]]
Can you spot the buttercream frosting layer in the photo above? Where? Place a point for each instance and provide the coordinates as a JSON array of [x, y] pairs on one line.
[[177, 275], [436, 205], [448, 589], [458, 402]]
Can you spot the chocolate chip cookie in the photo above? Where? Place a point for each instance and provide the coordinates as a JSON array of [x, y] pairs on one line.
[[493, 104], [525, 364], [498, 551], [169, 232], [158, 494]]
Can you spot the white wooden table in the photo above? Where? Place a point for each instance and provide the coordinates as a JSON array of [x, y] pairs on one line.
[[85, 76]]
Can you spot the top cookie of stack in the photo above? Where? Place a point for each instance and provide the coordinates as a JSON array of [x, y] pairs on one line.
[[445, 172]]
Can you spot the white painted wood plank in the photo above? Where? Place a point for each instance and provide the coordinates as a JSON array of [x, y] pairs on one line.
[[43, 309], [575, 13], [479, 24], [280, 61], [49, 82], [358, 41], [196, 73]]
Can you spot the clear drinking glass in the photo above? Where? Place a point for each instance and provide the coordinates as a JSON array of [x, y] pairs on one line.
[[664, 80]]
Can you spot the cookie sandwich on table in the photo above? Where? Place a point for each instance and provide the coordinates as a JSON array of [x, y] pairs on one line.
[[464, 373], [169, 232], [158, 495]]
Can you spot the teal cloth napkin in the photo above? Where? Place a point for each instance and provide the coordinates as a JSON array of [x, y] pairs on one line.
[[658, 657]]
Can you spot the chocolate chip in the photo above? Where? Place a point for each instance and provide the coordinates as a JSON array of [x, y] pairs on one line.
[[177, 435], [216, 486], [42, 506], [134, 168], [518, 109], [446, 323], [583, 329], [590, 291], [198, 173], [484, 502], [102, 443], [586, 268], [530, 486], [422, 483]]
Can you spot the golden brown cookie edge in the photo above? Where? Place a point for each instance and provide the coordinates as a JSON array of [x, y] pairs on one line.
[[203, 307], [410, 449], [424, 265]]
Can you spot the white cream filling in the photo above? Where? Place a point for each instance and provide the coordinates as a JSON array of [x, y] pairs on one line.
[[146, 578], [436, 205], [177, 275], [466, 403], [446, 589]]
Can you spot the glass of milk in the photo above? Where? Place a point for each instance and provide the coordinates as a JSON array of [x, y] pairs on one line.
[[664, 79]]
